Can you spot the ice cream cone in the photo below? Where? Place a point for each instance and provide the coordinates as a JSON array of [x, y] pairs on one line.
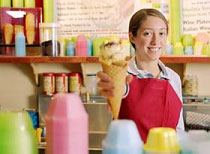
[[30, 27], [8, 33], [117, 72]]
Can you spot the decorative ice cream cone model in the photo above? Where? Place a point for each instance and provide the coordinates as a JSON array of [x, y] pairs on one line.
[[8, 33], [30, 27], [113, 61]]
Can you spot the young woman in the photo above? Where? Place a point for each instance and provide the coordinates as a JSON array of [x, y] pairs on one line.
[[153, 96]]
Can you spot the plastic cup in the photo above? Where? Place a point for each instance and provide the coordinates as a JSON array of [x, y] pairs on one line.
[[17, 135], [188, 50], [169, 49], [122, 138], [178, 49], [161, 140]]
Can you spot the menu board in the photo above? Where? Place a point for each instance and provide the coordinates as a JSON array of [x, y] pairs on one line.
[[196, 16], [96, 17]]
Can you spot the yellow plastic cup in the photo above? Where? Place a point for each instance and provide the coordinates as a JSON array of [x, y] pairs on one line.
[[162, 140]]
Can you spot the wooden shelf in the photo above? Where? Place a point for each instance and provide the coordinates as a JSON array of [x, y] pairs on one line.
[[184, 59], [39, 59]]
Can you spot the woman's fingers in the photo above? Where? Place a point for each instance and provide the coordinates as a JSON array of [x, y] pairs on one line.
[[105, 85], [104, 82], [103, 76], [107, 93]]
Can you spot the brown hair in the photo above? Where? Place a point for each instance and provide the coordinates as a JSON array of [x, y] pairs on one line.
[[140, 16]]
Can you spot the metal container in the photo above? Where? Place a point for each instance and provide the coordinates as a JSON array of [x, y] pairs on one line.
[[61, 83], [48, 83]]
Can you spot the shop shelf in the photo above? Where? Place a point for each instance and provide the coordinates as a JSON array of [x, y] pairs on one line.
[[74, 59]]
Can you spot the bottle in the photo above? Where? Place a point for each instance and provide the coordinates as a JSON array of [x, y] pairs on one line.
[[20, 45], [89, 47], [66, 125], [81, 46], [70, 50], [97, 42]]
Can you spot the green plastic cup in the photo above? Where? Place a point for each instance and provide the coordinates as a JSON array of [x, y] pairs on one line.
[[17, 135]]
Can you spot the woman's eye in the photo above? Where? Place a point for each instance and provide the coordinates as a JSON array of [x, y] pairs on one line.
[[162, 33], [147, 34]]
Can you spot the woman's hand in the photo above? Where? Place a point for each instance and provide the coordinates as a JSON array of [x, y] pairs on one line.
[[106, 86]]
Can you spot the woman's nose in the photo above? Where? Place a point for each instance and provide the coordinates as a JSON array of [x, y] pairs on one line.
[[155, 39]]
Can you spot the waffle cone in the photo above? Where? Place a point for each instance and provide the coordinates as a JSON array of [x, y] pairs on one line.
[[117, 72], [30, 27], [8, 33]]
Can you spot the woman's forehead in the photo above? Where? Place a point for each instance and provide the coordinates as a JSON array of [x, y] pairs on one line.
[[152, 22]]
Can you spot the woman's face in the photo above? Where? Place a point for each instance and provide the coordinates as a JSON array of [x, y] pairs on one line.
[[151, 39]]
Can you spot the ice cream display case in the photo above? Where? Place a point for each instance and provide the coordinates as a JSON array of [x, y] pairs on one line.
[[15, 20]]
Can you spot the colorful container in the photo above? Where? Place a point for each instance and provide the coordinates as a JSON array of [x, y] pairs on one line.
[[123, 138], [70, 49], [50, 45], [161, 140], [75, 82], [17, 135], [61, 83], [48, 83], [20, 45], [66, 125], [81, 47]]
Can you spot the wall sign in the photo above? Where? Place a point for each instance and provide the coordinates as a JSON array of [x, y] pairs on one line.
[[196, 16], [96, 17]]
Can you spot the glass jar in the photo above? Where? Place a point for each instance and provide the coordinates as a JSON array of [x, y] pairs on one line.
[[190, 85], [91, 84], [48, 39]]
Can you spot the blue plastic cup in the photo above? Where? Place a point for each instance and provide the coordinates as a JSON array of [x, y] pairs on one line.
[[169, 49], [122, 138], [188, 50]]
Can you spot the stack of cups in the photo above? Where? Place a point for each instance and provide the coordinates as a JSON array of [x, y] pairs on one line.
[[66, 125], [161, 140], [122, 138], [17, 135]]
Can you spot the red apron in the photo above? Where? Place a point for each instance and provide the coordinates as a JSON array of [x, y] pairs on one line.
[[151, 103]]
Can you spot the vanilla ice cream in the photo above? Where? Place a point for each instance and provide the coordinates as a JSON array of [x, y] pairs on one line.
[[111, 52]]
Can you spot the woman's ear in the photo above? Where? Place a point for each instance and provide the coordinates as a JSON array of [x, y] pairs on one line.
[[131, 38]]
